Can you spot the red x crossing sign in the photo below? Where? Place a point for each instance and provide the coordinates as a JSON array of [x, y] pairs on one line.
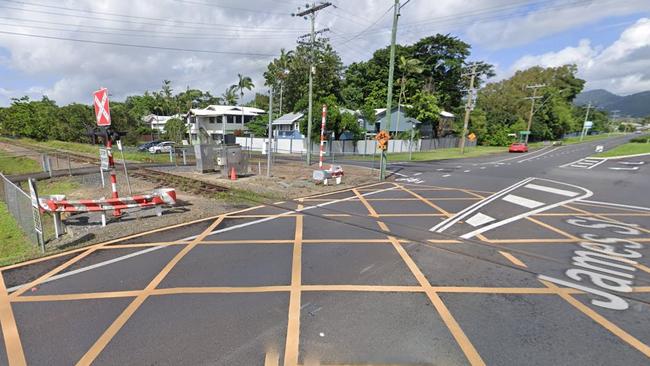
[[102, 111]]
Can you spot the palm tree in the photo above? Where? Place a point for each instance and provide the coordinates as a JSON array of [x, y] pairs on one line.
[[406, 67], [245, 82], [229, 97]]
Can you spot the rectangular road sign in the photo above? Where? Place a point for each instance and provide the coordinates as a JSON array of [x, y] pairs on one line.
[[103, 157], [102, 110], [588, 124]]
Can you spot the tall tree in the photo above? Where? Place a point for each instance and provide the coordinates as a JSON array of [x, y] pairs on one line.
[[229, 97], [244, 83], [406, 67]]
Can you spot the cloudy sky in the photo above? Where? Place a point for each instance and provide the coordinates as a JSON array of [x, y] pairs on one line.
[[65, 49]]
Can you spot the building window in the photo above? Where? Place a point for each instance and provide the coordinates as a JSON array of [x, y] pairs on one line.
[[212, 120]]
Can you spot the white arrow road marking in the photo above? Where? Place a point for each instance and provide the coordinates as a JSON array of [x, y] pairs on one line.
[[479, 219], [633, 168], [522, 201], [632, 162]]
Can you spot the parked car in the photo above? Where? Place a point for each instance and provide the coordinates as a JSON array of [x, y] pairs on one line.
[[518, 147], [147, 145], [163, 147]]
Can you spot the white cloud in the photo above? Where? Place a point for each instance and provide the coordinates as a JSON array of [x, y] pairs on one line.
[[622, 67], [554, 18], [68, 71]]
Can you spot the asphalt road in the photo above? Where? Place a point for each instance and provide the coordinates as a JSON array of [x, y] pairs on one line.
[[527, 259]]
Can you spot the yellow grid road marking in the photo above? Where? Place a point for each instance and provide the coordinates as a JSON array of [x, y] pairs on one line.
[[602, 321], [293, 320], [118, 323], [457, 332], [427, 202], [371, 211], [383, 226], [272, 358], [552, 228], [14, 347], [513, 259]]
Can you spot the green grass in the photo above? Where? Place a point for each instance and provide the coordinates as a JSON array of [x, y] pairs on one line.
[[90, 150], [15, 245], [241, 196], [11, 165], [439, 154], [65, 185], [630, 148]]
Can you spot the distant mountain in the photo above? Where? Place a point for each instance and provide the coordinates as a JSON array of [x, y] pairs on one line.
[[634, 105]]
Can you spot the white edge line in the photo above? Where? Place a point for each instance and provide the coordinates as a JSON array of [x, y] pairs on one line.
[[444, 225], [526, 214], [537, 156], [514, 157], [617, 205], [621, 157], [93, 266], [148, 250]]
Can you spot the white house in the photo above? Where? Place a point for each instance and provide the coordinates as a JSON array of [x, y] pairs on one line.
[[216, 121], [157, 123], [287, 126]]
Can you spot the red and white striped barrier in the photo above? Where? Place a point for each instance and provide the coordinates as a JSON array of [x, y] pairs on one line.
[[158, 197], [57, 204]]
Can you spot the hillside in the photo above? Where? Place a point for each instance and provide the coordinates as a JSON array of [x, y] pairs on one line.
[[634, 105]]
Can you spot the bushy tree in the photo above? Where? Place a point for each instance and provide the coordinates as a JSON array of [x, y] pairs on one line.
[[175, 130]]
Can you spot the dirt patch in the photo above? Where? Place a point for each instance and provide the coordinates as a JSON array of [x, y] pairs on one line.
[[290, 179]]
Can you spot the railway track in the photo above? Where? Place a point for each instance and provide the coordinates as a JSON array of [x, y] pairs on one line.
[[188, 185]]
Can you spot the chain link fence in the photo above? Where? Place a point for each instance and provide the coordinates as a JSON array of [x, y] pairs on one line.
[[19, 205]]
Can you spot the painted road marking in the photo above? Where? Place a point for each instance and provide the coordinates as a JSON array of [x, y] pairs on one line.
[[561, 192], [513, 259], [479, 219], [504, 194], [522, 201], [446, 175], [538, 156], [515, 157], [444, 225], [631, 162], [148, 250], [617, 205], [617, 168], [587, 194], [585, 163]]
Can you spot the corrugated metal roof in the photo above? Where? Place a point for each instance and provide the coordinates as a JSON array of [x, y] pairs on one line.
[[288, 119]]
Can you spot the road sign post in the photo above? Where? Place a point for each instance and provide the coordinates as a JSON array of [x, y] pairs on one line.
[[322, 136], [36, 213], [103, 117]]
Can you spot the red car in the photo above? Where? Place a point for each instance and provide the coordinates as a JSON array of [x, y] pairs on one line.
[[518, 147]]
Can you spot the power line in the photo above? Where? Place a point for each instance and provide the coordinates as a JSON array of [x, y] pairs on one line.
[[139, 45], [370, 26], [138, 33], [229, 7], [178, 24]]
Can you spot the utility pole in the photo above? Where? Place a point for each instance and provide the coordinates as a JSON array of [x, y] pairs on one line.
[[270, 147], [468, 107], [584, 125], [391, 73], [532, 106], [311, 12]]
